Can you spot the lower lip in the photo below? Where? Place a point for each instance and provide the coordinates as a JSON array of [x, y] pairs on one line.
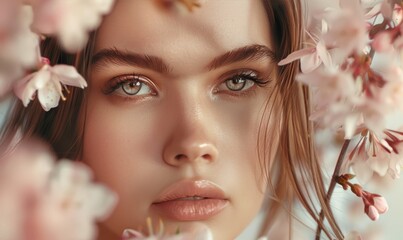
[[191, 210]]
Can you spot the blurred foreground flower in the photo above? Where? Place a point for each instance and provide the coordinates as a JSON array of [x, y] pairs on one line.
[[196, 231], [41, 199], [19, 48], [69, 20], [49, 82], [8, 11]]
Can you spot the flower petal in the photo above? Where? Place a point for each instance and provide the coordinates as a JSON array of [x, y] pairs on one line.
[[380, 204], [26, 88], [68, 75], [49, 96], [323, 54], [310, 62], [22, 92], [362, 171], [296, 55], [372, 213]]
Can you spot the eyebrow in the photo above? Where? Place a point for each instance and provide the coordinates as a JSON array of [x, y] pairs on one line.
[[115, 56], [248, 53], [253, 52]]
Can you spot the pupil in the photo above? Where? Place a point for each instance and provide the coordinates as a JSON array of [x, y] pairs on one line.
[[132, 87], [236, 81], [236, 84]]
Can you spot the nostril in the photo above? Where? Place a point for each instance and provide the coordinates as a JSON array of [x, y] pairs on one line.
[[180, 157], [207, 157]]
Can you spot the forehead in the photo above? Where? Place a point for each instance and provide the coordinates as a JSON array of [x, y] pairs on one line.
[[147, 27]]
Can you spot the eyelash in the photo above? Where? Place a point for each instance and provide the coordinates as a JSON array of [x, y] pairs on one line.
[[248, 75], [141, 81], [120, 81]]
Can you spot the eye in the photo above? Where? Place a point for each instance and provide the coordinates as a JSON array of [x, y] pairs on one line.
[[238, 83], [241, 81], [131, 85]]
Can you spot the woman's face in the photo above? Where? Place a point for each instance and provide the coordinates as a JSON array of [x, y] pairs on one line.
[[174, 106]]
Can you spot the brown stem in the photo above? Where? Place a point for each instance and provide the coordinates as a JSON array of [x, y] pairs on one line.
[[332, 185]]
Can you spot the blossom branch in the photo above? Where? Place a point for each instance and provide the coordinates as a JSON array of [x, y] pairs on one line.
[[332, 184], [374, 204]]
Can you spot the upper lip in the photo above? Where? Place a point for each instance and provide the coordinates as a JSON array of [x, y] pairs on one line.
[[192, 188]]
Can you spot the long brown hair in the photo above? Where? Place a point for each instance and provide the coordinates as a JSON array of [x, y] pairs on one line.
[[294, 173]]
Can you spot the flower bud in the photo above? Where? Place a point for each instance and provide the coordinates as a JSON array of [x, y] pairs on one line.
[[372, 212], [380, 204]]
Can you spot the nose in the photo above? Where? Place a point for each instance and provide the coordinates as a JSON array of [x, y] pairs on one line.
[[191, 138], [191, 152]]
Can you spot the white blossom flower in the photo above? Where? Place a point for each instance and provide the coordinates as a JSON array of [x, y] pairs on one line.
[[69, 20], [49, 83]]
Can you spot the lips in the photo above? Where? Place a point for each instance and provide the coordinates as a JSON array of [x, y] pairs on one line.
[[191, 200]]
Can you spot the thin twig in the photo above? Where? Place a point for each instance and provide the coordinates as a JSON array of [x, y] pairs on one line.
[[332, 185]]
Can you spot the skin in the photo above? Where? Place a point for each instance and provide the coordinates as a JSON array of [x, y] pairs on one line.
[[133, 142]]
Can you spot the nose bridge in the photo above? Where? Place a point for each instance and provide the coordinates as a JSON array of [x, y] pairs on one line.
[[191, 139]]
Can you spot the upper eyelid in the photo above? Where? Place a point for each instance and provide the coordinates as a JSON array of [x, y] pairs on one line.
[[245, 72], [112, 84]]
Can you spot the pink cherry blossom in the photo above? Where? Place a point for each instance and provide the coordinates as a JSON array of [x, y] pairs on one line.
[[49, 82], [311, 58], [347, 28], [334, 97], [69, 20]]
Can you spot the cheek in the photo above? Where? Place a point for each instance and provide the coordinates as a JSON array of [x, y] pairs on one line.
[[121, 149]]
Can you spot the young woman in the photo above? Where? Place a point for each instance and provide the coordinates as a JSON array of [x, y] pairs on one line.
[[188, 117]]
